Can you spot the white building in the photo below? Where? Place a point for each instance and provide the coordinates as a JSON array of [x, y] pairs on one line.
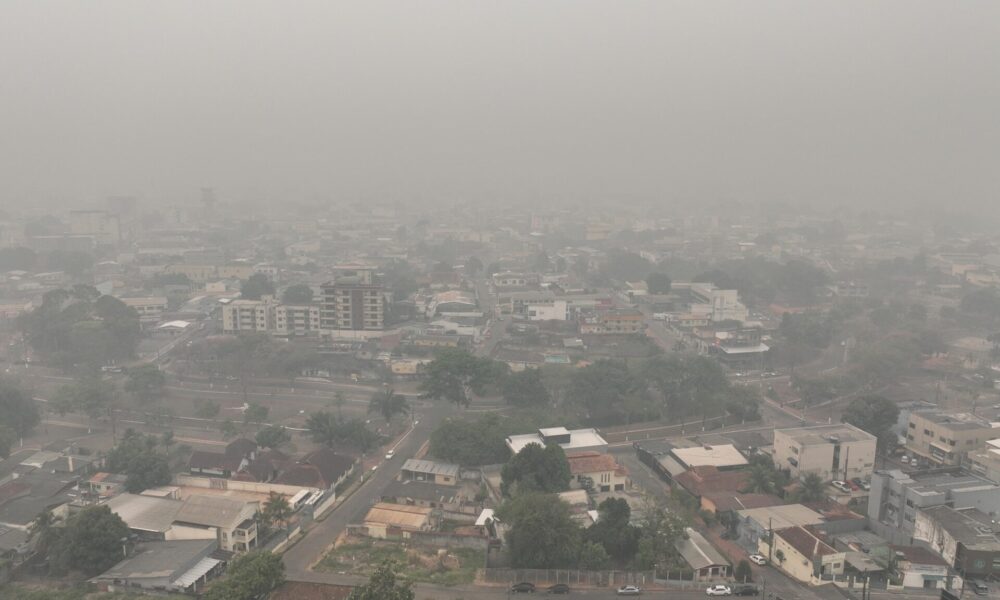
[[575, 440], [555, 311]]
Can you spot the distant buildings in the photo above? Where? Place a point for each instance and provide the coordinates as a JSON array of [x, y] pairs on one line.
[[840, 451], [268, 316]]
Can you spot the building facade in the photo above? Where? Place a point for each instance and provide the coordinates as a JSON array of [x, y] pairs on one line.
[[353, 302], [946, 438], [840, 451]]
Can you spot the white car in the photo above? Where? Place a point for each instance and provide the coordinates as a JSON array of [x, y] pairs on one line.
[[629, 590], [842, 486], [758, 559], [719, 590], [390, 454]]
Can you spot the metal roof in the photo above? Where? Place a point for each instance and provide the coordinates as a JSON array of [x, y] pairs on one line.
[[432, 467]]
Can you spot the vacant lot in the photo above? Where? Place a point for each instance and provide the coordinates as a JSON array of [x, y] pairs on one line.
[[426, 564]]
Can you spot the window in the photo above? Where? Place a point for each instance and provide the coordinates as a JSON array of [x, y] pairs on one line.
[[795, 450], [941, 438], [909, 503], [951, 442], [913, 425], [929, 432], [909, 436]]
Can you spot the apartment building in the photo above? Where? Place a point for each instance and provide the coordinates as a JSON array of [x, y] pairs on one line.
[[840, 451], [946, 438], [986, 463], [296, 320], [896, 498], [353, 301], [248, 315]]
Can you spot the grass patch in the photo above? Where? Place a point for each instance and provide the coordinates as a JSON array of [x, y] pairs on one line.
[[415, 563]]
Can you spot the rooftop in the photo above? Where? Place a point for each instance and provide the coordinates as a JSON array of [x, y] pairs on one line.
[[716, 456], [805, 542], [422, 490], [698, 552], [399, 515], [971, 527], [731, 500], [954, 421], [702, 480], [214, 511], [579, 438], [826, 434], [783, 516], [145, 513], [431, 467], [159, 560], [918, 555], [591, 462], [940, 481]]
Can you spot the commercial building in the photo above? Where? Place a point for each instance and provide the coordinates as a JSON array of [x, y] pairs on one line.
[[840, 451], [946, 438], [228, 521], [715, 304], [986, 462], [570, 440], [353, 301], [896, 498], [918, 567], [182, 566], [966, 538]]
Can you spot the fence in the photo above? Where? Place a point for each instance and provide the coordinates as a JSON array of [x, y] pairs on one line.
[[579, 578]]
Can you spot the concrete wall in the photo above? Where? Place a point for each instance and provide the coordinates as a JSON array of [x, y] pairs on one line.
[[244, 486]]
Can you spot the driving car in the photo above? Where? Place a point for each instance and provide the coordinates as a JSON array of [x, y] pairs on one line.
[[719, 590], [629, 590], [390, 454], [524, 587], [559, 588], [758, 559]]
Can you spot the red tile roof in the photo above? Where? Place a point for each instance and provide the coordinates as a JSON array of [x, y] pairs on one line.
[[581, 463], [805, 542], [705, 480]]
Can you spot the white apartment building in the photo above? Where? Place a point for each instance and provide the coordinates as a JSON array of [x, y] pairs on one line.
[[295, 320], [247, 315]]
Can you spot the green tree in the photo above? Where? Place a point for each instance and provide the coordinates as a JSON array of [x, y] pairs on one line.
[[228, 429], [276, 509], [661, 529], [473, 266], [146, 383], [613, 529], [760, 479], [471, 443], [658, 283], [626, 266], [323, 427], [743, 573], [272, 436], [206, 409], [91, 542], [388, 403], [90, 396], [536, 469], [326, 428], [17, 410], [875, 414], [297, 294], [454, 374], [601, 388], [250, 576], [8, 437], [541, 534], [593, 557], [525, 388], [43, 529], [256, 286], [135, 456], [382, 585], [779, 556], [811, 488], [255, 413]]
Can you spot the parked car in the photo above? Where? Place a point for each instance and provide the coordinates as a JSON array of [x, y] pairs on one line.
[[758, 559], [842, 486], [854, 487], [629, 590], [980, 588], [390, 454], [719, 590], [559, 588], [746, 589], [524, 587], [861, 483]]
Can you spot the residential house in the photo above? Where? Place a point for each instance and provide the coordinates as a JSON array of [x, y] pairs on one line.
[[699, 481], [386, 520], [706, 562], [601, 470], [430, 471], [918, 567], [241, 460], [323, 469], [802, 555]]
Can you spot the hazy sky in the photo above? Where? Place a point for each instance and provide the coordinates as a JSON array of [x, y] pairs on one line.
[[875, 102]]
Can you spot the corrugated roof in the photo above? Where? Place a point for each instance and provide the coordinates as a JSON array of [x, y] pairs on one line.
[[145, 513], [398, 515], [698, 552], [214, 511], [431, 467]]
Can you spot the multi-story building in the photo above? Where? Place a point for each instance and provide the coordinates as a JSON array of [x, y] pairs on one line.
[[248, 315], [840, 451], [946, 438], [718, 305], [296, 320], [966, 538], [147, 308], [896, 497], [986, 462], [354, 301]]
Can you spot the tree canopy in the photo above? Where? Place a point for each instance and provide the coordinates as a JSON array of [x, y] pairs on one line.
[[256, 286], [525, 388], [454, 373], [272, 436], [135, 456], [329, 429], [299, 293], [382, 585], [388, 403], [250, 576], [18, 411], [471, 443], [91, 542], [874, 414], [542, 533], [145, 383], [658, 283], [536, 469]]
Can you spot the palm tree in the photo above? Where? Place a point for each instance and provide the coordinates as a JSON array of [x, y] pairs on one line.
[[324, 427], [388, 403], [760, 479], [43, 528], [276, 509], [811, 488]]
